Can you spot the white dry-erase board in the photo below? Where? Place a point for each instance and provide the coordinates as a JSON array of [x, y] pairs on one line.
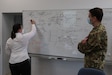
[[60, 31]]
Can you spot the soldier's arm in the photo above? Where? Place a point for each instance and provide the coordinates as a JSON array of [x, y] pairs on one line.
[[91, 44]]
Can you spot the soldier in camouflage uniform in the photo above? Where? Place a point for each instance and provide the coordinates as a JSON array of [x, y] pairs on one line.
[[94, 46]]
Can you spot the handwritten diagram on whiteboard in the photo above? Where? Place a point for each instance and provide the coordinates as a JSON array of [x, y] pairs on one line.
[[59, 31]]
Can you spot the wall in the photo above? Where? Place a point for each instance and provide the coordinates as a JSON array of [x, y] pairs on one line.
[[20, 5], [55, 67], [0, 40], [59, 67]]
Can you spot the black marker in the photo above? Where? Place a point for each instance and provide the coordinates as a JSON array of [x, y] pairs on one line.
[[60, 58], [31, 20]]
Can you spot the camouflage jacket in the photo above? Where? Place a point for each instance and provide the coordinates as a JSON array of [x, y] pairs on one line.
[[95, 48]]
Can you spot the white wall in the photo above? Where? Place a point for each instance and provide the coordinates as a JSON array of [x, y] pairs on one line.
[[55, 67], [0, 39], [20, 5]]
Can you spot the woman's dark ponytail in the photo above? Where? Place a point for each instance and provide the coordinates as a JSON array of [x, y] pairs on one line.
[[15, 29], [13, 35]]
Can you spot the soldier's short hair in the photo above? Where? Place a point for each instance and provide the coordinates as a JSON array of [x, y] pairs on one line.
[[97, 12]]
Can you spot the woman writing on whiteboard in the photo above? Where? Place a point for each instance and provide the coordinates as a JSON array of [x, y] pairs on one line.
[[16, 47]]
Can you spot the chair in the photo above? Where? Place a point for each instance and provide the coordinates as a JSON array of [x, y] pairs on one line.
[[90, 71]]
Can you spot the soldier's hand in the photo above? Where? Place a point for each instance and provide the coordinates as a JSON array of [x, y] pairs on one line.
[[84, 41]]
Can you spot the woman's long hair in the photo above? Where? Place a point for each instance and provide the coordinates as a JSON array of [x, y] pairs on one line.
[[15, 29]]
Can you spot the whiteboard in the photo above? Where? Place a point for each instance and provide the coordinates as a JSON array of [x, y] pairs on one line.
[[60, 31]]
